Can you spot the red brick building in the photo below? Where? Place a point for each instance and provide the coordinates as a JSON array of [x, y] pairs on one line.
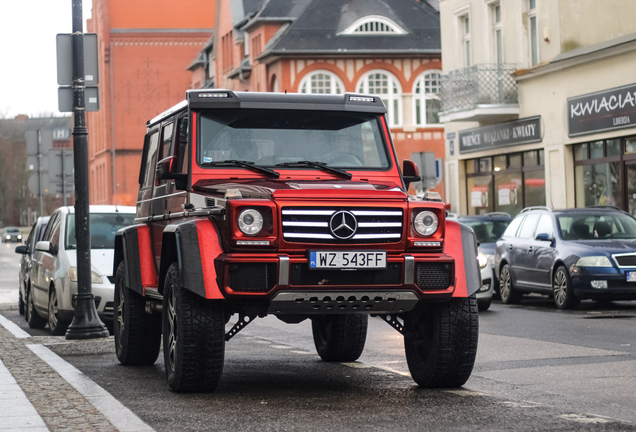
[[386, 47], [145, 47]]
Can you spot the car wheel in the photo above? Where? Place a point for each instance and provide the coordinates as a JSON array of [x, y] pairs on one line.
[[441, 342], [137, 334], [509, 295], [193, 337], [34, 320], [21, 305], [564, 297], [57, 325], [340, 337], [484, 305]]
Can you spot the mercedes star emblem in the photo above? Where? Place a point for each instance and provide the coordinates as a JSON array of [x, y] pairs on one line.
[[343, 225]]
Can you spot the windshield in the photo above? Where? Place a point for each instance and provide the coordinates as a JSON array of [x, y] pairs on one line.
[[597, 227], [103, 227], [12, 230], [488, 231], [270, 137]]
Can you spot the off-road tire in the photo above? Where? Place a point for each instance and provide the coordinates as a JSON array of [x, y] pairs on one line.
[[340, 338], [508, 293], [484, 305], [35, 321], [564, 297], [137, 334], [441, 342], [193, 337], [57, 326]]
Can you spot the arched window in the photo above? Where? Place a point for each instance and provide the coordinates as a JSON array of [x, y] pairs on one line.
[[426, 98], [321, 82], [374, 24], [385, 85]]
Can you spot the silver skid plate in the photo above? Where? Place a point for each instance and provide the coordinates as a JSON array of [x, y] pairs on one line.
[[341, 302]]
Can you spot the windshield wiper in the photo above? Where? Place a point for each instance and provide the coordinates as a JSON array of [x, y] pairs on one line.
[[245, 164], [319, 165]]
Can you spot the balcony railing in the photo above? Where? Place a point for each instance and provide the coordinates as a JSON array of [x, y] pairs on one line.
[[478, 85]]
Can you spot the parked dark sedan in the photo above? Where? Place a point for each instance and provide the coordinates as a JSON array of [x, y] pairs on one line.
[[576, 254], [36, 234]]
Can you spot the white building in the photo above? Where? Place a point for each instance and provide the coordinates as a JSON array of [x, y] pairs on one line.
[[539, 103]]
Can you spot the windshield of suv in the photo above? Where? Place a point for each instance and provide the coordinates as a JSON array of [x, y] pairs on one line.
[[488, 231], [103, 227], [271, 137], [590, 226]]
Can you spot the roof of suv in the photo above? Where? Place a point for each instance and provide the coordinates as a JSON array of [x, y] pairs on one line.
[[218, 98], [599, 209]]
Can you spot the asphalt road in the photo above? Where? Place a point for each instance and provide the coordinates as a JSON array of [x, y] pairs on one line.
[[537, 369]]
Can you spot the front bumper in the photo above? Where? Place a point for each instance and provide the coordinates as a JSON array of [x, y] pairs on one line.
[[486, 290], [104, 295], [264, 276], [584, 281]]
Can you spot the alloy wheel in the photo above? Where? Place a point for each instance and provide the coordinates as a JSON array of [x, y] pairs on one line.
[[120, 311], [172, 331], [560, 287], [53, 310], [504, 285]]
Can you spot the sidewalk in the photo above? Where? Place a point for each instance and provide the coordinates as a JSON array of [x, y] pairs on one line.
[[40, 391], [9, 296]]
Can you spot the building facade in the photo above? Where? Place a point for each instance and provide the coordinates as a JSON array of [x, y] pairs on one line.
[[390, 48], [538, 103], [145, 47]]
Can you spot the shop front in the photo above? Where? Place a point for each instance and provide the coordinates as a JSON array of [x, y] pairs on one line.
[[511, 179]]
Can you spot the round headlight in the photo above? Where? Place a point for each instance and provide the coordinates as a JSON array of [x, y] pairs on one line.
[[425, 223], [250, 221]]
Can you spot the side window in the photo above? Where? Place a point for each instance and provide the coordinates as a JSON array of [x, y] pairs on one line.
[[513, 227], [545, 226], [55, 233], [151, 160], [166, 141], [49, 227], [181, 165], [31, 235], [527, 229]]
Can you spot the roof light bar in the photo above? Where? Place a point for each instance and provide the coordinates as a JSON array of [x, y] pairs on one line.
[[214, 95], [361, 99]]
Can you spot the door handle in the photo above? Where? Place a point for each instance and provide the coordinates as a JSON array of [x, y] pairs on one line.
[[530, 249], [510, 247]]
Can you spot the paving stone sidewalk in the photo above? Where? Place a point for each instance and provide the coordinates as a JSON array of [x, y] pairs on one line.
[[59, 406]]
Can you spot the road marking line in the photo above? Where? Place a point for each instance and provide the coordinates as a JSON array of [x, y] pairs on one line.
[[357, 365], [281, 346], [17, 411], [13, 328], [120, 416], [587, 418]]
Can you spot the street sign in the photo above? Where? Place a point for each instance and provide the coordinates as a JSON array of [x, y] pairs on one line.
[[34, 187], [65, 59], [61, 162], [32, 163], [32, 142], [65, 99]]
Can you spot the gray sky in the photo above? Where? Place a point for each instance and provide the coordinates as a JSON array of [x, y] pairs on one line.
[[28, 80]]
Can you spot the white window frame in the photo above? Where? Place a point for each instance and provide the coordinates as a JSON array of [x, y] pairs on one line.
[[466, 44], [390, 99], [497, 28], [334, 81], [353, 29], [424, 97], [532, 13]]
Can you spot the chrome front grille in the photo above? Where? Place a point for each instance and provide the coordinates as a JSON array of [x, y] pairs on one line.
[[312, 225]]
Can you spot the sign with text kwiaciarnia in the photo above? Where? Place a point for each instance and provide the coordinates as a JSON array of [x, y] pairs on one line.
[[522, 131], [601, 111]]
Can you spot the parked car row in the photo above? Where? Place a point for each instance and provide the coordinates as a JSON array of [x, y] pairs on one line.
[[48, 272]]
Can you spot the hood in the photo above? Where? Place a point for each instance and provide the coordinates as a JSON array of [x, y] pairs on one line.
[[616, 246], [101, 260], [274, 189]]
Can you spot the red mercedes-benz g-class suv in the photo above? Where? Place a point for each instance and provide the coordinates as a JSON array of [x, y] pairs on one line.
[[293, 205]]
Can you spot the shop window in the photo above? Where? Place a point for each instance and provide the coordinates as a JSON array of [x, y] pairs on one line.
[[630, 145], [613, 147], [534, 187], [501, 163], [598, 185], [596, 150], [530, 158], [515, 160], [580, 152], [509, 193], [480, 195]]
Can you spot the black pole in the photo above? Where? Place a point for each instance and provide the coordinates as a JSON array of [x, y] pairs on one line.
[[86, 323]]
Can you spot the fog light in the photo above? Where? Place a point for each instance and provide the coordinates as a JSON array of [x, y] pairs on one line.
[[599, 284], [485, 286]]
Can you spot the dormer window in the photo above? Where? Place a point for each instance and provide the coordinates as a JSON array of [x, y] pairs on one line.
[[374, 25]]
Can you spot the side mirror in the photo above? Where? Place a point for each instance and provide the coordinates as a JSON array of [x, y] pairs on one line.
[[164, 167], [45, 246], [410, 172], [22, 250], [543, 237]]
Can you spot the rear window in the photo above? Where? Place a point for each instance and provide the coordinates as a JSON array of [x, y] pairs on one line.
[[103, 227], [488, 231]]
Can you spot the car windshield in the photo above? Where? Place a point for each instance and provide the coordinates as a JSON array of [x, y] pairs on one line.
[[590, 226], [103, 227], [271, 137], [12, 230], [488, 231]]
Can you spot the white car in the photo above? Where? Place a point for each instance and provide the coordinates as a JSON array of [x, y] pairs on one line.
[[485, 293], [53, 275]]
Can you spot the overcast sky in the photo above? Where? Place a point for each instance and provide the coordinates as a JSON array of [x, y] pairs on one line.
[[28, 77]]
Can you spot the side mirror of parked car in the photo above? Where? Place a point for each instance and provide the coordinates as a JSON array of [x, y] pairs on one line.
[[22, 250], [410, 172], [163, 171], [543, 237], [45, 246]]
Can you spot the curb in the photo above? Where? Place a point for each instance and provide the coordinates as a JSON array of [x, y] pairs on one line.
[[8, 306]]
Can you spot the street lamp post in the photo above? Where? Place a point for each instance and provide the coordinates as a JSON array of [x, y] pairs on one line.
[[86, 323]]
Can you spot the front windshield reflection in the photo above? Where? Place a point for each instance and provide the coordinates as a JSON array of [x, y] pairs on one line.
[[597, 227]]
